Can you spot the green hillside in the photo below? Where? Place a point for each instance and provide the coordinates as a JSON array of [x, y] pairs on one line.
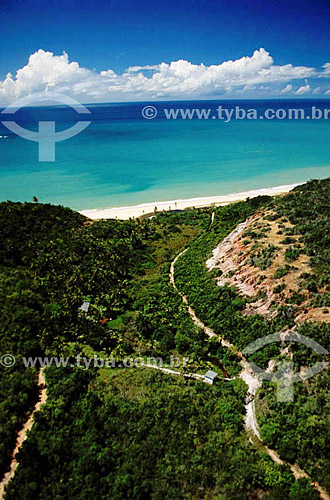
[[124, 433]]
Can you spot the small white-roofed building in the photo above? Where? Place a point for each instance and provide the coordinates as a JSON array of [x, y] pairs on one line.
[[84, 307], [210, 377]]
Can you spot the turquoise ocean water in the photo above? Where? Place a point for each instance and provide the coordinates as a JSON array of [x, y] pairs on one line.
[[123, 159]]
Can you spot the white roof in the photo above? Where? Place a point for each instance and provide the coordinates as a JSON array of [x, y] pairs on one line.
[[211, 374], [84, 306]]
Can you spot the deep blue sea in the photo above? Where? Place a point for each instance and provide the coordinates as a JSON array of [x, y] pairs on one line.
[[124, 159]]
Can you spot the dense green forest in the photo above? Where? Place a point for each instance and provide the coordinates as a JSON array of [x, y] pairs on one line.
[[136, 433]]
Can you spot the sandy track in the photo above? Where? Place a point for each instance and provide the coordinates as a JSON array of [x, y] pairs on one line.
[[22, 435]]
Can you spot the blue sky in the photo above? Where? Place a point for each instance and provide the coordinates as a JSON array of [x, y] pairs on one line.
[[115, 35]]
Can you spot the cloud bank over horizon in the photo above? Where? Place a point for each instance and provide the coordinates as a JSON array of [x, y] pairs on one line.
[[250, 76]]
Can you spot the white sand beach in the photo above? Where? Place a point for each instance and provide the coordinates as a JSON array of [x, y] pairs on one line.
[[206, 201]]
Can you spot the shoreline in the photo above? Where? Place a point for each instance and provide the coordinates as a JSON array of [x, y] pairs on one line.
[[136, 211]]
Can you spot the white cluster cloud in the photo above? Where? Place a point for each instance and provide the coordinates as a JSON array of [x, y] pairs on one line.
[[257, 73], [287, 89], [326, 69], [304, 89]]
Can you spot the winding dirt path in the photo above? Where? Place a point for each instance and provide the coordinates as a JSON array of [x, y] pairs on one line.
[[249, 377], [195, 376], [22, 435]]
